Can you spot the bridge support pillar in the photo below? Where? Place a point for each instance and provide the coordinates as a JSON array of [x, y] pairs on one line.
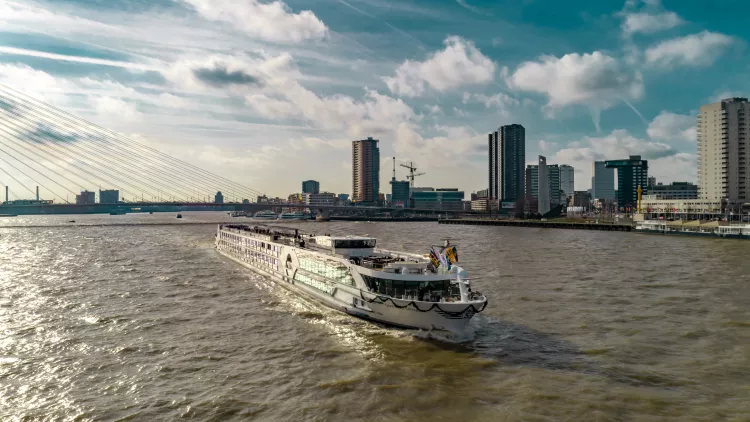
[[322, 215]]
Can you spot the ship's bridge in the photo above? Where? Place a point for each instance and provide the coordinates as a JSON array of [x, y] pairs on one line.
[[348, 246]]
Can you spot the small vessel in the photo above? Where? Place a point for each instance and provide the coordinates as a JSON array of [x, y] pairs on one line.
[[238, 214], [265, 215], [179, 215], [297, 215], [712, 228], [350, 274]]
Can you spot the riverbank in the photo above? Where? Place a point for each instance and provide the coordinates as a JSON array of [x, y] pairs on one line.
[[584, 225], [383, 219]]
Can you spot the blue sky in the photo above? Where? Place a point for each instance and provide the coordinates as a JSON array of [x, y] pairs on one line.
[[272, 93]]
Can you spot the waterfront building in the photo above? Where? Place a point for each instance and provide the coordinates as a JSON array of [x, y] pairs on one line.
[[553, 177], [400, 193], [343, 199], [218, 198], [602, 182], [109, 196], [310, 186], [675, 190], [631, 174], [507, 157], [567, 182], [651, 181], [317, 199], [723, 159], [366, 171], [532, 181], [543, 199], [581, 199], [438, 199], [86, 197], [690, 209]]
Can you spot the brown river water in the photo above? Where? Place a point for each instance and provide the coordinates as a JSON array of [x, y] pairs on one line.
[[145, 322]]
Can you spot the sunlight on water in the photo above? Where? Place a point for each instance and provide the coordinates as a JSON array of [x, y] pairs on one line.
[[150, 323]]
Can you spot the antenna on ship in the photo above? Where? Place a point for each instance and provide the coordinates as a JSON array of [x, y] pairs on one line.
[[412, 172]]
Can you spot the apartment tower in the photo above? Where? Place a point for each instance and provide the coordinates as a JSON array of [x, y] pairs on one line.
[[723, 163], [507, 160], [366, 171]]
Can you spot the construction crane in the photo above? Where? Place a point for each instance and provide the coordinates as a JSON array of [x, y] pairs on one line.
[[412, 172]]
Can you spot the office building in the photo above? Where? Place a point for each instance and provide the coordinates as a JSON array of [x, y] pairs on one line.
[[581, 199], [723, 161], [366, 171], [316, 199], [218, 198], [631, 174], [438, 199], [674, 190], [507, 158], [109, 196], [651, 181], [400, 193], [532, 181], [553, 177], [310, 186], [567, 182], [543, 206], [343, 198], [602, 182], [86, 197]]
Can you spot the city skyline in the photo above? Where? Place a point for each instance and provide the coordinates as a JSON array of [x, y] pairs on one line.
[[268, 83]]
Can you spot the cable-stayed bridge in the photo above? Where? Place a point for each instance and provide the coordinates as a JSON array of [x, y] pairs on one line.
[[44, 147]]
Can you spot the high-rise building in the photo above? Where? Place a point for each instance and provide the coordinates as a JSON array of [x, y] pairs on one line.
[[651, 181], [507, 157], [219, 198], [532, 181], [553, 176], [310, 186], [366, 171], [321, 198], [723, 161], [602, 182], [631, 174], [109, 196], [567, 182], [400, 193], [544, 186]]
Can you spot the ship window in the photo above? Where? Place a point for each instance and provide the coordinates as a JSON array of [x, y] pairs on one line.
[[399, 288], [354, 244]]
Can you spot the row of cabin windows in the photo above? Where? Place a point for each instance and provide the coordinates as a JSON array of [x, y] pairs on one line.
[[420, 289], [304, 279], [251, 243], [249, 255], [340, 274]]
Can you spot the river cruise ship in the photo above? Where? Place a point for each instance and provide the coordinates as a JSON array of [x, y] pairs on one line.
[[352, 275], [265, 215], [694, 228]]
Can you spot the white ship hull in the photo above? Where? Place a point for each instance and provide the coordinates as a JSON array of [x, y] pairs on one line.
[[281, 263]]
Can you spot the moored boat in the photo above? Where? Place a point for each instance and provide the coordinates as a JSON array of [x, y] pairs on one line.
[[297, 215], [694, 228], [350, 274], [265, 215]]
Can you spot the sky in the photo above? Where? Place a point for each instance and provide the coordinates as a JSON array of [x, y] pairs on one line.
[[270, 93]]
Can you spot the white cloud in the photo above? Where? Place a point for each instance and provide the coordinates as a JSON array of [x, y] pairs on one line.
[[546, 146], [108, 106], [664, 161], [594, 79], [699, 49], [649, 23], [273, 21], [499, 100], [459, 64], [672, 127]]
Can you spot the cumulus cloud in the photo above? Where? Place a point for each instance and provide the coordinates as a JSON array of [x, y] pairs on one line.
[[459, 64], [700, 49], [230, 72], [274, 21], [649, 23], [596, 80], [672, 127], [664, 161]]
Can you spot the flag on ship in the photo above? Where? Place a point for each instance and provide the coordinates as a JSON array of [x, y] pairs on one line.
[[434, 258], [451, 254]]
